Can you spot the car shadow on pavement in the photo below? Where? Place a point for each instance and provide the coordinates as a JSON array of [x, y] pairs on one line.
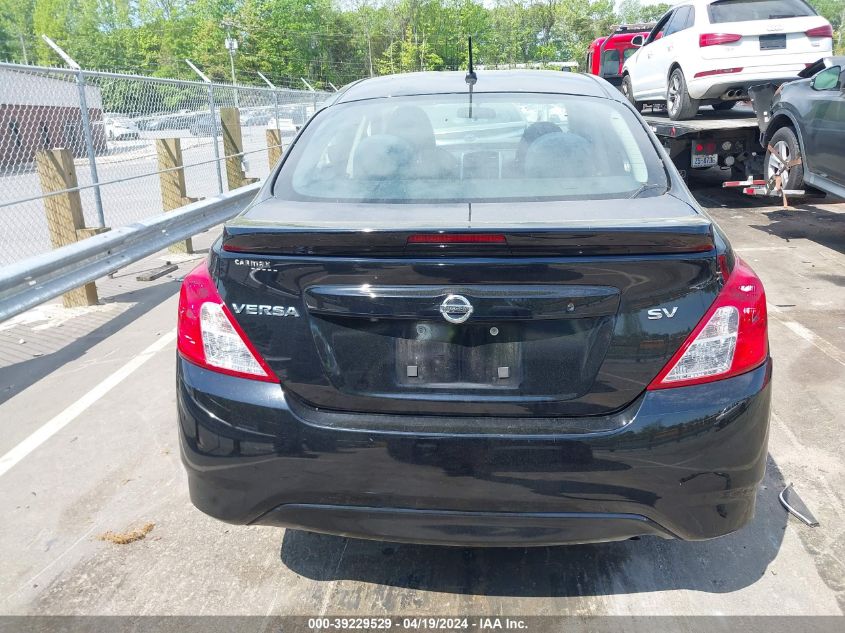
[[646, 565], [16, 377], [807, 222]]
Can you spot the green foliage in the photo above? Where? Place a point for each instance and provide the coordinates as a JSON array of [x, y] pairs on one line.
[[321, 40]]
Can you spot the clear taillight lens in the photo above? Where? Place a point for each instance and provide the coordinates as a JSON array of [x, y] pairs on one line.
[[208, 335], [731, 338], [712, 352], [222, 345]]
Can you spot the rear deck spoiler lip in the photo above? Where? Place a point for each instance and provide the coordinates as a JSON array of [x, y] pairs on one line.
[[672, 239]]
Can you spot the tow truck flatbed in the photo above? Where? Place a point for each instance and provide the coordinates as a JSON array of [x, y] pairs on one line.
[[730, 140], [707, 121]]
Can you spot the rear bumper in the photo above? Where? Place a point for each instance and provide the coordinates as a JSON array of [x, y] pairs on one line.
[[686, 465], [714, 86]]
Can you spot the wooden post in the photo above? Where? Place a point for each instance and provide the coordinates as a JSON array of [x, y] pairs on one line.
[[233, 146], [172, 177], [274, 147], [65, 221]]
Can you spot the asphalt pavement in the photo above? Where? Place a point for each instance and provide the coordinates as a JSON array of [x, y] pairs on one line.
[[89, 446]]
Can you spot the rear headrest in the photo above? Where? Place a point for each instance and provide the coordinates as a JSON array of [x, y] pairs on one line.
[[413, 125], [559, 155], [531, 134], [381, 157]]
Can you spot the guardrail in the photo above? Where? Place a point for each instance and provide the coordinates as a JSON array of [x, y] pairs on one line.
[[33, 281]]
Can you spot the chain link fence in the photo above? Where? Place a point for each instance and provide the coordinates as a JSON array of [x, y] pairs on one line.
[[111, 124]]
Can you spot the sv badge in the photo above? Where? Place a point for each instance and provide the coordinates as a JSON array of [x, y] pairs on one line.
[[659, 313]]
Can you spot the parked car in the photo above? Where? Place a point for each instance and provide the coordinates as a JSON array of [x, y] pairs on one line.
[[386, 345], [709, 52], [120, 129], [805, 120], [172, 121], [255, 117], [203, 125], [285, 126], [606, 55]]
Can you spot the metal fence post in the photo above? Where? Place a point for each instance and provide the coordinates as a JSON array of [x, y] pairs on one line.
[[275, 100], [212, 110], [89, 148], [215, 135], [86, 125]]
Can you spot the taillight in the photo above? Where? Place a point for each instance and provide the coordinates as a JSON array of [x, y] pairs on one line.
[[731, 338], [820, 31], [208, 335], [714, 39]]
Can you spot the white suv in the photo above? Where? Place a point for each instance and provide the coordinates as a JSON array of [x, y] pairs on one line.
[[711, 51]]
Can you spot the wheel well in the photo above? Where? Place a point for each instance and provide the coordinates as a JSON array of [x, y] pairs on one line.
[[776, 124], [672, 69]]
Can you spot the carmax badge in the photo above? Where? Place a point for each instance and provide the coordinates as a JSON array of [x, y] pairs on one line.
[[456, 308]]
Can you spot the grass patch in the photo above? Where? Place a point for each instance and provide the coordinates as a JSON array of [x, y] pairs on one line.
[[124, 538]]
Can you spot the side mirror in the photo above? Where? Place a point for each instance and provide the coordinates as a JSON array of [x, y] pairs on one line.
[[828, 79], [637, 41]]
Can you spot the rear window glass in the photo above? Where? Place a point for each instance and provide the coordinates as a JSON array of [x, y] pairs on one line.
[[505, 147], [750, 10]]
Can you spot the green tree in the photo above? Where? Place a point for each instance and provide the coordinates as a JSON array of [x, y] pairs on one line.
[[834, 11]]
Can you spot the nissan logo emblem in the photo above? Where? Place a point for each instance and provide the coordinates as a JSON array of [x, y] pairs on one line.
[[456, 309]]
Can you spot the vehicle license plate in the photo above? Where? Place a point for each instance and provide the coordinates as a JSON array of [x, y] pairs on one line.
[[772, 42], [704, 160]]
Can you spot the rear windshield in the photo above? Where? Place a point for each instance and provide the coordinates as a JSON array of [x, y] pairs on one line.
[[749, 10], [502, 147]]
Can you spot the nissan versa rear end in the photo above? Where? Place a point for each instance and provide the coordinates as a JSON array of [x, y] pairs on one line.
[[488, 316]]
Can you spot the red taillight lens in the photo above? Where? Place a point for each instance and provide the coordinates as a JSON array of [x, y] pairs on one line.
[[820, 31], [457, 238], [731, 338], [714, 39], [207, 334]]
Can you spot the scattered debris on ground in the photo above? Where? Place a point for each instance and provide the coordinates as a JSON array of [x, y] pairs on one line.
[[124, 538]]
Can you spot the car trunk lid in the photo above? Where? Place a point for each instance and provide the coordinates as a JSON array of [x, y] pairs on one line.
[[565, 319]]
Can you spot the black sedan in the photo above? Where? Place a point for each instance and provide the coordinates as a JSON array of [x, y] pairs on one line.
[[805, 120], [498, 339]]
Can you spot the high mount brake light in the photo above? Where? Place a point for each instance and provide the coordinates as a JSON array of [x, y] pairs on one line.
[[209, 336], [457, 238], [731, 338], [714, 39]]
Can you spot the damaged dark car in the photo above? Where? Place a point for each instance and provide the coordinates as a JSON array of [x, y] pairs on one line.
[[480, 314], [803, 125]]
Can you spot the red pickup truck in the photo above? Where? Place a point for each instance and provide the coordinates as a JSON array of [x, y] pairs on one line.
[[607, 54]]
